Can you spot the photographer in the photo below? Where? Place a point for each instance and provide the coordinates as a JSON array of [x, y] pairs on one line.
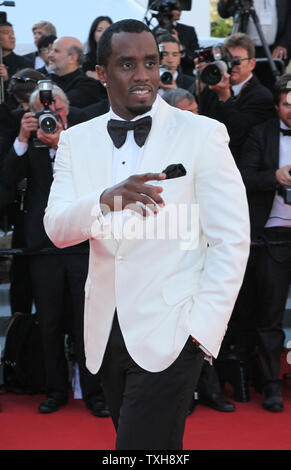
[[239, 100], [275, 20], [266, 170], [189, 40], [171, 58], [58, 278], [21, 86], [11, 62]]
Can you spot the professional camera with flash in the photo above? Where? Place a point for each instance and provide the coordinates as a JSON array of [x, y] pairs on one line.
[[47, 119], [220, 61]]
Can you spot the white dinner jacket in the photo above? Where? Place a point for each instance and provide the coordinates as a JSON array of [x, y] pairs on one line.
[[163, 289]]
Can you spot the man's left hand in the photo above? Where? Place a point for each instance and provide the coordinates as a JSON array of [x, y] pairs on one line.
[[51, 140]]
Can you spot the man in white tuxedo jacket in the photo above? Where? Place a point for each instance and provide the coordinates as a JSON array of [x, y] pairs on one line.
[[161, 283]]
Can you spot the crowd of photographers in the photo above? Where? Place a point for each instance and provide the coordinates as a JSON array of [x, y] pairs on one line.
[[56, 87]]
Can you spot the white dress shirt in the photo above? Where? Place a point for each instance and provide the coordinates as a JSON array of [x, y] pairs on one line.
[[237, 88], [127, 158]]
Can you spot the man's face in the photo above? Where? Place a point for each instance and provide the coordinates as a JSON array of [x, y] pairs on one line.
[[132, 74], [240, 73], [44, 53], [7, 38], [176, 15], [186, 105], [171, 56], [58, 57], [37, 34], [284, 108]]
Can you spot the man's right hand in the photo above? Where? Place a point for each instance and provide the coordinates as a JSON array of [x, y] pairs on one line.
[[134, 194], [29, 123], [222, 88], [283, 175]]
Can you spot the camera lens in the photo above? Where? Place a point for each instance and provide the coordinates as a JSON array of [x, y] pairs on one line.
[[48, 123], [212, 74], [166, 76]]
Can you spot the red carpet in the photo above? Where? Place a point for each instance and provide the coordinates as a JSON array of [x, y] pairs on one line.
[[74, 428]]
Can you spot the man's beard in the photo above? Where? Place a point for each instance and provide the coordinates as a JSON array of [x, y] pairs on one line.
[[139, 110]]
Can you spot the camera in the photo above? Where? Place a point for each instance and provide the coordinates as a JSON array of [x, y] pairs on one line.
[[285, 192], [47, 119], [164, 13], [169, 5], [166, 76], [220, 61], [243, 4]]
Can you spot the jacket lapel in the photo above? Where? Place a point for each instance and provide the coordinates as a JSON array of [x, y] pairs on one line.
[[159, 147], [273, 152], [99, 164]]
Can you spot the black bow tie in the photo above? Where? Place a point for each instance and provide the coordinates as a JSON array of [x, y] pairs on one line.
[[285, 131], [118, 130]]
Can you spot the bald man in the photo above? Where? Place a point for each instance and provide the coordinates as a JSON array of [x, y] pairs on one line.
[[65, 60]]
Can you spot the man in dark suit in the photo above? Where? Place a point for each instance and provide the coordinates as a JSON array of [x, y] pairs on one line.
[[238, 100], [65, 60], [58, 279], [11, 62], [189, 40], [44, 45], [23, 83], [170, 49], [266, 168]]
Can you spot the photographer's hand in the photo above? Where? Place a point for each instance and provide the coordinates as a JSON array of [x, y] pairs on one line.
[[283, 176], [222, 89], [4, 72], [29, 123], [52, 140], [165, 87]]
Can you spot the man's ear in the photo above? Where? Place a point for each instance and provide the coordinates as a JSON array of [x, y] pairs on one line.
[[253, 63], [102, 75]]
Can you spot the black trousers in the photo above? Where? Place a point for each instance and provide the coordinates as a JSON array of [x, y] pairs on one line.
[[148, 409], [273, 280], [241, 331], [58, 289]]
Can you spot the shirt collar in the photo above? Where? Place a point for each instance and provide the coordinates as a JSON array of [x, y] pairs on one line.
[[283, 125], [151, 112], [237, 88]]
